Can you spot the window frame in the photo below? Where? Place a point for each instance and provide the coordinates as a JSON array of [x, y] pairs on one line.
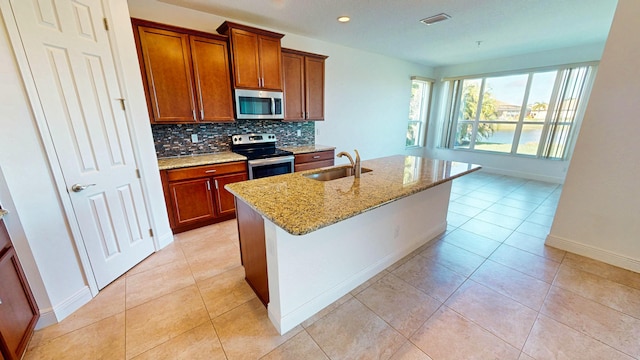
[[454, 94], [425, 110]]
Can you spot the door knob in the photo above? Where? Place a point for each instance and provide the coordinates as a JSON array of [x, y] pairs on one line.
[[78, 187]]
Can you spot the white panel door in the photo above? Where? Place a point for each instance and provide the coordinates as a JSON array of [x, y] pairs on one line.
[[69, 56]]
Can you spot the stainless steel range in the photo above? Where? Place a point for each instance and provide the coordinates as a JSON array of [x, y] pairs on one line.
[[264, 159]]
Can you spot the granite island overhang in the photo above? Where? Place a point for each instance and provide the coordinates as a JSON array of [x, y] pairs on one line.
[[305, 243]]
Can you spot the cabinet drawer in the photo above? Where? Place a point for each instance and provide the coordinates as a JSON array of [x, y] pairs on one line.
[[315, 156], [207, 170]]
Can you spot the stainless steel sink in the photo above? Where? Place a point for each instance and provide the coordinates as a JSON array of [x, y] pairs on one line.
[[334, 173]]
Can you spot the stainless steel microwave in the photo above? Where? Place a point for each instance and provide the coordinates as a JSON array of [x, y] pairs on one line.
[[256, 104]]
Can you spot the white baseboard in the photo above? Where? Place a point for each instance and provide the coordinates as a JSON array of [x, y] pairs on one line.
[[524, 175], [164, 239], [58, 312], [594, 253]]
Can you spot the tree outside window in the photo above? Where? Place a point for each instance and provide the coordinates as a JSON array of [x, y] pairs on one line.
[[418, 111]]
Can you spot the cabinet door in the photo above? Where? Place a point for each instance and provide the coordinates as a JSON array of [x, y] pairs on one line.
[[168, 73], [213, 82], [294, 92], [192, 201], [270, 63], [245, 59], [18, 313], [224, 199], [314, 81]]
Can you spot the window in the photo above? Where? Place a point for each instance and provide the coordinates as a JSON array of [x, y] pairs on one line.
[[418, 111], [528, 114]]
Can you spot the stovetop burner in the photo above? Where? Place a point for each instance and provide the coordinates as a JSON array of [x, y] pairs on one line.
[[257, 146]]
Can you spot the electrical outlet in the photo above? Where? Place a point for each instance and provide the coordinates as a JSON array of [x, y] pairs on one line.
[[299, 132], [194, 138]]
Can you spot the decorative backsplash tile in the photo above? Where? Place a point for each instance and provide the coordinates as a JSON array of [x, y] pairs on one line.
[[175, 139]]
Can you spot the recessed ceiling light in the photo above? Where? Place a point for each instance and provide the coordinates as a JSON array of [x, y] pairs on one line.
[[344, 19], [435, 18]]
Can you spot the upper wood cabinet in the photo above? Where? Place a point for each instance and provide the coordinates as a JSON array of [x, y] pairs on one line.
[[186, 73], [303, 85], [255, 55]]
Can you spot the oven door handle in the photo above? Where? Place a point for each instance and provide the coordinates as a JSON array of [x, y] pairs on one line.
[[273, 160]]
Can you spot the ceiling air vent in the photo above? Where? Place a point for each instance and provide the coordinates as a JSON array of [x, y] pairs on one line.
[[435, 18]]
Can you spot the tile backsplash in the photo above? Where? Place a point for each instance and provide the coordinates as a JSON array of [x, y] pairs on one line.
[[175, 139]]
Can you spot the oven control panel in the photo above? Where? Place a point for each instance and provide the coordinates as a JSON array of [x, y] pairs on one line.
[[253, 139]]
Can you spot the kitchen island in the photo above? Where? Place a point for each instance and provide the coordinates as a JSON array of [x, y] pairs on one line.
[[305, 243]]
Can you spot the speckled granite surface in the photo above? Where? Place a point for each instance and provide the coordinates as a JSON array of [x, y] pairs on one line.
[[197, 160], [3, 212], [307, 149], [300, 205]]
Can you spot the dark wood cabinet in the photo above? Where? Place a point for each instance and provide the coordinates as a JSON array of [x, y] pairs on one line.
[[195, 196], [253, 250], [314, 160], [303, 75], [18, 310], [256, 56], [213, 79], [224, 199], [192, 201], [186, 74]]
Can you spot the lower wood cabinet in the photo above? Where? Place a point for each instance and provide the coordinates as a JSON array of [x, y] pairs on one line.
[[195, 196], [314, 160], [18, 310]]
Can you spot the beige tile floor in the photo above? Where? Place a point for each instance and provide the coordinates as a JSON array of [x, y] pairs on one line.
[[487, 289]]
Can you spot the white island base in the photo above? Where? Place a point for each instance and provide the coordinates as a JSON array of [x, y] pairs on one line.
[[309, 272]]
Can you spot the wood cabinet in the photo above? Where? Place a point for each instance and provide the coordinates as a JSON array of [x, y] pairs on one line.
[[186, 74], [256, 56], [303, 75], [195, 196], [18, 310], [253, 250], [314, 160]]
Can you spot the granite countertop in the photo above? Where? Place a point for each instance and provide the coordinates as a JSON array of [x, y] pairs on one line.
[[197, 160], [307, 148], [3, 212], [300, 205]]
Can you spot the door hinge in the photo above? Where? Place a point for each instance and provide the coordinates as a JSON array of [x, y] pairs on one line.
[[106, 23], [138, 173], [122, 104], [151, 232]]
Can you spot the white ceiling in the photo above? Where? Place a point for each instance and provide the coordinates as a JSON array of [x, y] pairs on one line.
[[393, 27]]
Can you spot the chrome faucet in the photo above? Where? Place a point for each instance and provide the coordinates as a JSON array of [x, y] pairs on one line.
[[354, 164]]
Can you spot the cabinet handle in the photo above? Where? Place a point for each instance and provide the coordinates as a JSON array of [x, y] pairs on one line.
[[194, 114], [306, 115], [0, 301], [317, 157], [210, 171], [216, 182], [201, 114], [302, 114], [208, 186]]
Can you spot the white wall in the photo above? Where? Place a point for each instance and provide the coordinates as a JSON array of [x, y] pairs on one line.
[[538, 169], [599, 208], [366, 94]]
